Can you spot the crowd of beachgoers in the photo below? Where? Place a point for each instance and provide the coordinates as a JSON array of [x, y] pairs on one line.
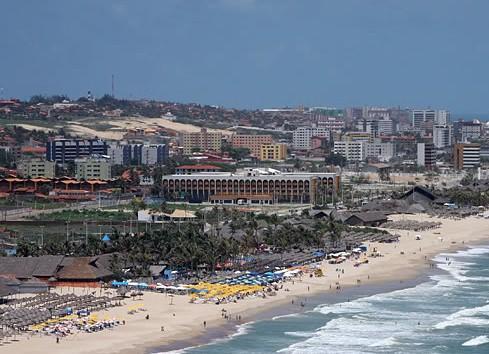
[[54, 314]]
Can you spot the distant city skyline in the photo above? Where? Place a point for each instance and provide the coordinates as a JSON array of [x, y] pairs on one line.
[[252, 54]]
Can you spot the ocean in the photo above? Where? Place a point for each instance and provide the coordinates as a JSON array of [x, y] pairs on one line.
[[447, 313]]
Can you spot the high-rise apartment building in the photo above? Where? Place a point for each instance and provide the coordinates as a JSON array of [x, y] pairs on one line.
[[380, 151], [442, 136], [376, 113], [36, 167], [92, 168], [352, 151], [251, 142], [426, 155], [67, 150], [420, 117], [138, 154], [467, 131], [301, 138], [385, 127], [334, 124], [466, 156], [273, 152], [200, 141]]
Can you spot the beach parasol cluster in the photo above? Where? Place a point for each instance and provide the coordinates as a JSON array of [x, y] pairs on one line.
[[222, 291]]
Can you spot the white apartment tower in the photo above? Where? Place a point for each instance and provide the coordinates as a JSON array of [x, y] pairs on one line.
[[301, 138], [351, 150], [421, 116], [442, 136]]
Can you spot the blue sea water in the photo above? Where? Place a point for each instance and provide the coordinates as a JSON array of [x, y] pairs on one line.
[[449, 313]]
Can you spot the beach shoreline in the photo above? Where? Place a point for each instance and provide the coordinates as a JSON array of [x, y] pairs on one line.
[[183, 321], [226, 332]]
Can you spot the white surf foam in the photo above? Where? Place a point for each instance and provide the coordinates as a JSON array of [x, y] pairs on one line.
[[386, 342], [476, 341], [287, 316], [300, 334], [463, 321], [240, 330], [466, 317]]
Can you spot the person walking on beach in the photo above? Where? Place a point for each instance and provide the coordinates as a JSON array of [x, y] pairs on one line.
[[205, 324]]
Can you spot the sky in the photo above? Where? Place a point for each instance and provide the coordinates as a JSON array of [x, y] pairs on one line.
[[251, 53]]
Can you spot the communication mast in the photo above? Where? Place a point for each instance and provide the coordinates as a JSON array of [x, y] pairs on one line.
[[113, 86]]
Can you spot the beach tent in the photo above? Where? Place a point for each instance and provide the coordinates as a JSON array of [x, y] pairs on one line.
[[117, 284], [319, 254]]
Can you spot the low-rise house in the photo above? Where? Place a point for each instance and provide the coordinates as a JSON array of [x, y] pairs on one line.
[[159, 217]]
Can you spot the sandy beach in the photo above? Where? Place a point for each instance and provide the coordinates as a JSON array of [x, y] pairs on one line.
[[184, 321]]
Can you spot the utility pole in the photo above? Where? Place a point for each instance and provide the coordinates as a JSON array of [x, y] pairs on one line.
[[86, 233], [42, 236]]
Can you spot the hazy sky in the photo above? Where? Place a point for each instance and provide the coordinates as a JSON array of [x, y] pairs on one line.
[[252, 53]]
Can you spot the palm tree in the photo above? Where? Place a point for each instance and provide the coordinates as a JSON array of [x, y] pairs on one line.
[[136, 205]]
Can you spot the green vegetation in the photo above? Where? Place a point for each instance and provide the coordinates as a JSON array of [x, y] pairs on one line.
[[335, 159], [230, 235], [38, 205], [84, 215]]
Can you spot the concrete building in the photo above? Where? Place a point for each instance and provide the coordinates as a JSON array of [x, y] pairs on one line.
[[385, 127], [369, 126], [376, 113], [431, 116], [191, 169], [273, 152], [426, 155], [67, 150], [201, 141], [92, 168], [383, 152], [334, 124], [120, 154], [466, 156], [352, 151], [154, 154], [251, 142], [252, 186], [467, 131], [138, 154], [442, 136], [301, 138], [357, 136], [36, 167]]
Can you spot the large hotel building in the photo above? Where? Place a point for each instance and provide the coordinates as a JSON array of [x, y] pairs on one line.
[[252, 186]]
